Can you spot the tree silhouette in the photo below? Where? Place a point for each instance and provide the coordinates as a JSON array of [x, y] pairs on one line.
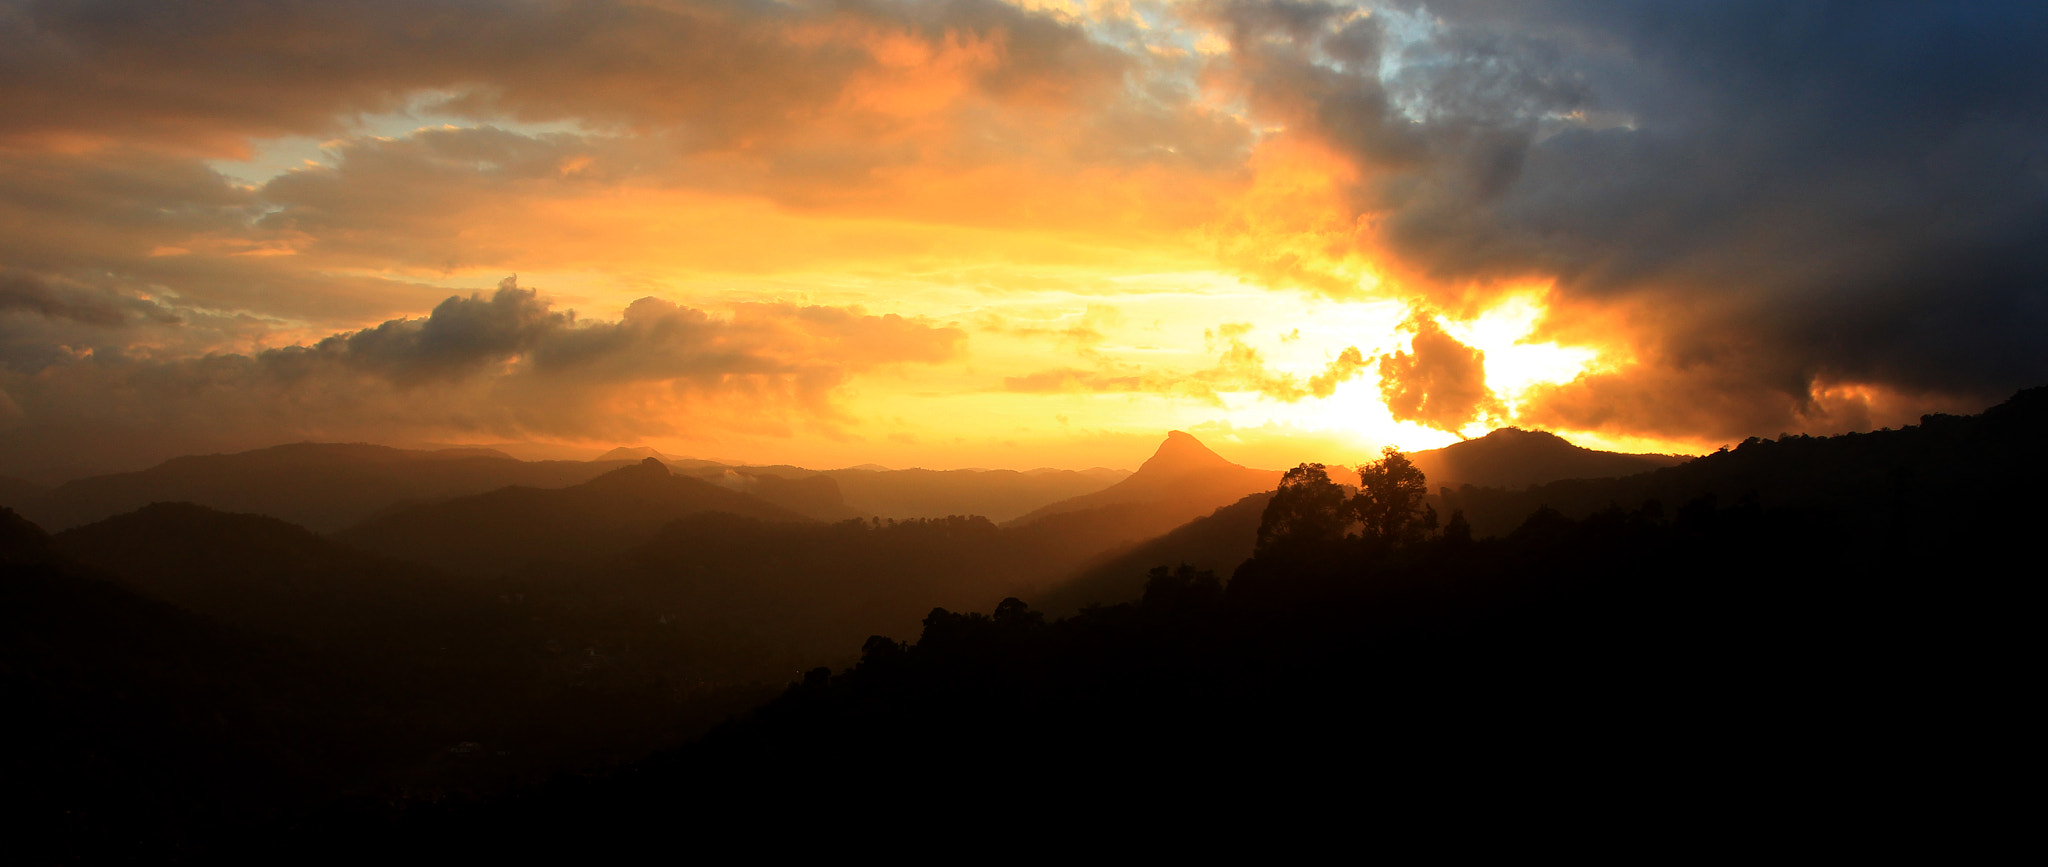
[[1390, 500], [1307, 507]]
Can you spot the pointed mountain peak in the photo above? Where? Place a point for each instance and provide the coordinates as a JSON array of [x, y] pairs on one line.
[[1182, 453]]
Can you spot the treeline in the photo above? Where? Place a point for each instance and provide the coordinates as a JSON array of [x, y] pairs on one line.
[[1675, 667]]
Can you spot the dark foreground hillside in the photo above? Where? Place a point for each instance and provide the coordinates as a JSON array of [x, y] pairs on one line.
[[1706, 673], [1796, 658]]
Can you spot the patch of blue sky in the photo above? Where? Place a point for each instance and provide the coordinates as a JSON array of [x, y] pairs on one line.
[[270, 158]]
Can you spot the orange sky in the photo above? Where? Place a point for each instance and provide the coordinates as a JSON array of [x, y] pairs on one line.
[[914, 234]]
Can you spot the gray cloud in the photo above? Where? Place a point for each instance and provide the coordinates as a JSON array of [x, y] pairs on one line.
[[462, 336], [26, 292]]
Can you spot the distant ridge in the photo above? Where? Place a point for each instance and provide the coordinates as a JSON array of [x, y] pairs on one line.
[[1969, 461], [1183, 480], [639, 453], [499, 531], [1513, 458], [635, 453], [321, 486]]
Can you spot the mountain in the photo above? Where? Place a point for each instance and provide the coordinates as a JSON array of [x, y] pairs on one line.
[[1183, 480], [321, 486], [496, 532], [140, 727], [1216, 542], [263, 574], [1971, 462], [1514, 458], [998, 495], [816, 496], [1870, 600], [640, 453]]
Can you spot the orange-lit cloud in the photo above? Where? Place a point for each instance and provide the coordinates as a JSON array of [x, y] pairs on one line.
[[1636, 228], [507, 365], [1441, 383]]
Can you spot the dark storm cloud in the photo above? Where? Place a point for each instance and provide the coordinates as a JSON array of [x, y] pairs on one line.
[[1792, 194]]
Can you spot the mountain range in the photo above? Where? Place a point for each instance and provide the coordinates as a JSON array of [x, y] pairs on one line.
[[188, 660]]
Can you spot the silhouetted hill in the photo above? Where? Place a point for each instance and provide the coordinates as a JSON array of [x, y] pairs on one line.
[[497, 532], [1513, 458], [1861, 603], [1220, 541], [266, 575], [543, 677], [1216, 542], [1183, 480], [1970, 461], [138, 730], [641, 453], [322, 486], [1658, 663]]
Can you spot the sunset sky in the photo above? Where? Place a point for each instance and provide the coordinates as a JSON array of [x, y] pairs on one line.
[[979, 233]]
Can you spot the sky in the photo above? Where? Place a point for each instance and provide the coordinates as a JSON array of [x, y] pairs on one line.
[[978, 233]]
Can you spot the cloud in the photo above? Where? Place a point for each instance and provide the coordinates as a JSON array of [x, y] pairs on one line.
[[504, 365], [1442, 383], [1770, 209], [1239, 368], [19, 291], [460, 338], [1811, 193], [1346, 366]]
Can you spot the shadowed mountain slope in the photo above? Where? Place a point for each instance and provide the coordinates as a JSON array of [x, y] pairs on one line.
[[493, 533], [321, 486], [263, 574], [1216, 542], [1670, 657], [1183, 480], [1513, 458], [141, 728]]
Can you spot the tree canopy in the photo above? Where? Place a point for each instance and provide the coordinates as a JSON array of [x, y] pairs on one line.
[[1390, 500], [1306, 507]]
